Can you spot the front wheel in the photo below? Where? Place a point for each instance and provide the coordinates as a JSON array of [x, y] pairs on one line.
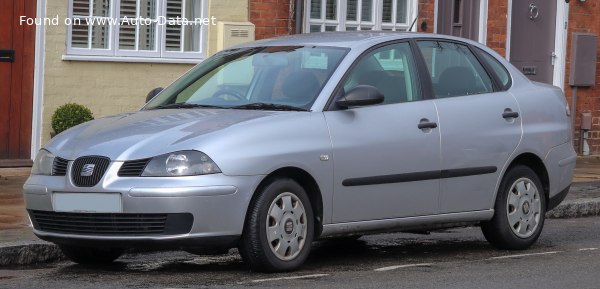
[[89, 256], [519, 211], [279, 227]]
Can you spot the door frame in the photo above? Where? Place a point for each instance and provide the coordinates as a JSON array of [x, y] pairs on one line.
[[560, 40], [38, 81], [483, 17]]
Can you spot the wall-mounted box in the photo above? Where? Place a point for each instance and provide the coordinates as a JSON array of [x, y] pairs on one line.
[[584, 49], [233, 33]]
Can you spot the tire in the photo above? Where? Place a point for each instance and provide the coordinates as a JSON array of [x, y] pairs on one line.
[[91, 256], [283, 206], [519, 211]]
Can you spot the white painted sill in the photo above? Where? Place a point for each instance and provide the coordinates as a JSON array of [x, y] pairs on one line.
[[131, 59]]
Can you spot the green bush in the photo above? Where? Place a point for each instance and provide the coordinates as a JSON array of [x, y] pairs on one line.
[[69, 115]]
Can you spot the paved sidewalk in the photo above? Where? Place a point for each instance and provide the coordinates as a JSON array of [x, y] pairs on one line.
[[18, 245]]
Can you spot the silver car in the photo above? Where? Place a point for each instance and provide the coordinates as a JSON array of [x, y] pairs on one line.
[[273, 144]]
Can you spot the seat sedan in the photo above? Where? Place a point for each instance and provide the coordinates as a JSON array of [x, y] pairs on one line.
[[270, 145]]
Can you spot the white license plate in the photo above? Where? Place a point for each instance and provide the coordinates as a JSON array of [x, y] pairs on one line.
[[87, 202]]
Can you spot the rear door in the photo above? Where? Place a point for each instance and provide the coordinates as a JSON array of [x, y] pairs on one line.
[[385, 165], [479, 125]]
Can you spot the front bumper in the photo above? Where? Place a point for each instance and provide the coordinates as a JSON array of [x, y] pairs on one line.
[[217, 202]]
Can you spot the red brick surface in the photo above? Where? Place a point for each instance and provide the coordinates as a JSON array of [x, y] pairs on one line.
[[271, 17]]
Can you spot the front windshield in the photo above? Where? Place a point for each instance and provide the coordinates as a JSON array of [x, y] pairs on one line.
[[256, 77]]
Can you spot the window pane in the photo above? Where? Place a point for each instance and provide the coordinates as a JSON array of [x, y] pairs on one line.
[[351, 28], [146, 36], [174, 8], [454, 70], [390, 69], [191, 40], [456, 13], [387, 11], [100, 36], [128, 8], [81, 7], [367, 10], [401, 8], [498, 68], [331, 11], [351, 8], [315, 28], [173, 38], [127, 37], [101, 8], [79, 35], [315, 9], [193, 9], [148, 9], [330, 28]]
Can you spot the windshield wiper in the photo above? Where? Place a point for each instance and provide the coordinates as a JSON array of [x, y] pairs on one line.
[[268, 106], [186, 105]]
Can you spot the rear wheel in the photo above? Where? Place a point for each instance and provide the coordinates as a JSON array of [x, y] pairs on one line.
[[85, 255], [519, 211], [279, 227]]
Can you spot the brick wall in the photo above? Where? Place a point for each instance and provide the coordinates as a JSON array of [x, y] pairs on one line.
[[426, 15], [583, 17], [496, 25], [271, 17]]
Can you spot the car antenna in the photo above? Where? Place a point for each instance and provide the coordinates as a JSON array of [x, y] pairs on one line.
[[413, 24]]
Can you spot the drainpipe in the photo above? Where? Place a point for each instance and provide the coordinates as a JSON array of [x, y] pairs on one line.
[[299, 6]]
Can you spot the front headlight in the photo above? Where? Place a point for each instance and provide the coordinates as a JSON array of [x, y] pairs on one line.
[[182, 163], [43, 163]]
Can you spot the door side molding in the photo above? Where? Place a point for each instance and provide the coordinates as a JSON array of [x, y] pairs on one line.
[[419, 176]]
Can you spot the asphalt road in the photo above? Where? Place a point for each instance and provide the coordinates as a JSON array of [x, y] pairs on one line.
[[567, 255]]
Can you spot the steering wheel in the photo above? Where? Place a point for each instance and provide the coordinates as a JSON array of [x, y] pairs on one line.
[[228, 92]]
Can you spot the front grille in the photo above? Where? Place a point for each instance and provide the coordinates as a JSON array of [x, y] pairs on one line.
[[59, 167], [95, 165], [133, 168], [112, 224]]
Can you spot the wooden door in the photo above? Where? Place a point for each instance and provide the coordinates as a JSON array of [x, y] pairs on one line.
[[17, 55], [532, 36], [459, 18]]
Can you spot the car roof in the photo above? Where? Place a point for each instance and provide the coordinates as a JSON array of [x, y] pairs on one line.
[[348, 39]]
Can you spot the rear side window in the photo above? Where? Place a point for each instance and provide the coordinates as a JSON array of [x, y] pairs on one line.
[[497, 67], [454, 70]]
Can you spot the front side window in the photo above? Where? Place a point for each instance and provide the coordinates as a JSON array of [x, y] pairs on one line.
[[262, 77], [137, 28], [352, 15], [454, 70], [390, 69]]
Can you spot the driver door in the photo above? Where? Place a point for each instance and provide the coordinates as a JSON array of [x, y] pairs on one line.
[[386, 165]]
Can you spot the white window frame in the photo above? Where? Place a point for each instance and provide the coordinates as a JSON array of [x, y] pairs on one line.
[[376, 24], [113, 53]]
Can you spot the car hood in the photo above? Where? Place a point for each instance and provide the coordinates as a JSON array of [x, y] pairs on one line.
[[148, 133]]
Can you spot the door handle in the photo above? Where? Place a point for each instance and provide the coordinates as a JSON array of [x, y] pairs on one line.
[[7, 55], [510, 114], [427, 125]]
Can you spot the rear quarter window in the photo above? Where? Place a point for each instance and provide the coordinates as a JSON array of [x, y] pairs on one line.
[[497, 67]]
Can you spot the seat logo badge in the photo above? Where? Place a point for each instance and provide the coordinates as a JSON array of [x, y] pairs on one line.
[[324, 158], [87, 170]]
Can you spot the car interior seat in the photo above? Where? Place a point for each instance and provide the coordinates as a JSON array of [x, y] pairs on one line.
[[300, 87], [454, 81]]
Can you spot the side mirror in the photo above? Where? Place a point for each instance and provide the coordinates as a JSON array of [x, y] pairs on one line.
[[361, 95], [153, 93]]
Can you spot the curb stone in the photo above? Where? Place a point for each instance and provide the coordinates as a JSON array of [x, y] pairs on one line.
[[30, 252], [36, 252], [575, 209]]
